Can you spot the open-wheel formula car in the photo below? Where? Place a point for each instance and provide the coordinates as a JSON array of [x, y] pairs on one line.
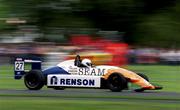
[[79, 73]]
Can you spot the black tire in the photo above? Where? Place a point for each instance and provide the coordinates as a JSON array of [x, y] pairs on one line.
[[143, 76], [104, 84], [116, 82], [59, 88], [34, 80]]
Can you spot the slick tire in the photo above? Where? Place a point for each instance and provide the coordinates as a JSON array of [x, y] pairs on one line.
[[116, 82], [34, 80]]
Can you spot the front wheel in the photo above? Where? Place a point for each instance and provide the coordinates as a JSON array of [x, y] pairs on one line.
[[116, 82], [34, 80]]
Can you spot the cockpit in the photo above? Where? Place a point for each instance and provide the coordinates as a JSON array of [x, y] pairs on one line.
[[82, 63]]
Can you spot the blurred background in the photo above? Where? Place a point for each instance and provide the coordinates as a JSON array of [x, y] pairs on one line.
[[140, 35], [114, 32]]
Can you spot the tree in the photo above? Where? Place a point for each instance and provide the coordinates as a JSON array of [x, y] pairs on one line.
[[154, 21], [160, 29]]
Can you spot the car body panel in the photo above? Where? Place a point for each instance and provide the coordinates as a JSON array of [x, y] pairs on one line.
[[104, 71]]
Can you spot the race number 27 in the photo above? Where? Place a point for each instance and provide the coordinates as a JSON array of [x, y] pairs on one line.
[[19, 66]]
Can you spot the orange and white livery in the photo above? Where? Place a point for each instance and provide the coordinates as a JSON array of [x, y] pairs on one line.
[[112, 77], [80, 73]]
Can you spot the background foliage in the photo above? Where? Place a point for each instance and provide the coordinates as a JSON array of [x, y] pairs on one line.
[[143, 22]]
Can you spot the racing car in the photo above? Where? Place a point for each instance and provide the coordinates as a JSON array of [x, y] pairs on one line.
[[80, 73]]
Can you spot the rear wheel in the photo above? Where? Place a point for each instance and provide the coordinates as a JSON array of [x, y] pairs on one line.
[[116, 82], [34, 80]]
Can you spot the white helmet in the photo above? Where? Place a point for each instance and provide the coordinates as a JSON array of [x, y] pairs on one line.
[[86, 62]]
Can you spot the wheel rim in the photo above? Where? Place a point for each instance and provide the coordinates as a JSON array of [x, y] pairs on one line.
[[32, 81], [115, 81]]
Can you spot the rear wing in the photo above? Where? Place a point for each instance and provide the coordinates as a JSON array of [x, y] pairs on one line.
[[20, 66]]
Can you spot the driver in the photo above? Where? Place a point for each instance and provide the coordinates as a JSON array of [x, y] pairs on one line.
[[86, 62], [82, 63], [77, 61]]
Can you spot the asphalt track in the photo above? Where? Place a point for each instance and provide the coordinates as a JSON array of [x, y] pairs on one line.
[[96, 94]]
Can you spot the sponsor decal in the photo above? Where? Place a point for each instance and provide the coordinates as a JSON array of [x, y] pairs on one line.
[[18, 73], [91, 71], [73, 70], [73, 81], [86, 71], [53, 80]]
